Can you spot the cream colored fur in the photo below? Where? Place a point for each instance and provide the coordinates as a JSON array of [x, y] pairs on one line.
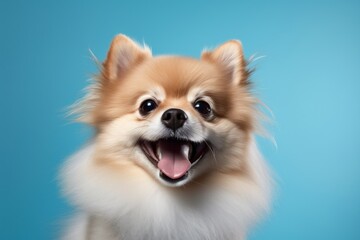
[[117, 188], [125, 208]]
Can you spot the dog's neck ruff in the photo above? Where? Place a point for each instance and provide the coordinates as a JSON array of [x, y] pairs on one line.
[[142, 209]]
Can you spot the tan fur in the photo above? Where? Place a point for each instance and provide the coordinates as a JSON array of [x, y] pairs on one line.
[[130, 74], [232, 102]]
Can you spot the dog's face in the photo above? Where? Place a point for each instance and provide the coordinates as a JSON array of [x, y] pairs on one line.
[[176, 118]]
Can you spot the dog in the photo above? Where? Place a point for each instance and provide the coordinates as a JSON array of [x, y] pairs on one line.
[[173, 156]]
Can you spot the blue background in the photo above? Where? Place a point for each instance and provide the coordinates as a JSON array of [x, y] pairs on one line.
[[310, 78]]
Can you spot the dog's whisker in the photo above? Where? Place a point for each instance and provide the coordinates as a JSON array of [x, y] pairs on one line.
[[210, 148], [212, 151]]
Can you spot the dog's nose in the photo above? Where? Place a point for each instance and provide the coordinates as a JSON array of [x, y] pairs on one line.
[[174, 118]]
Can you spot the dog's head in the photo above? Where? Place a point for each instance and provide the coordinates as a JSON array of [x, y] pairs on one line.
[[177, 118]]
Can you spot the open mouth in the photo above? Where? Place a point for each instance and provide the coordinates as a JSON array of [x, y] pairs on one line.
[[173, 157]]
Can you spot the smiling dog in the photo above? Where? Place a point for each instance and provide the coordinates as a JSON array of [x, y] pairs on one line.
[[174, 156]]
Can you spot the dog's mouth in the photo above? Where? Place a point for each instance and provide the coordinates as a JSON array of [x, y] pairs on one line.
[[174, 157]]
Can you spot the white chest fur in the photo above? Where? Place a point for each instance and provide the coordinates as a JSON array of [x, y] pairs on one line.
[[130, 207]]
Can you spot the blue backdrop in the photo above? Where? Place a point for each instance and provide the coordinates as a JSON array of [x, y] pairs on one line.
[[310, 78]]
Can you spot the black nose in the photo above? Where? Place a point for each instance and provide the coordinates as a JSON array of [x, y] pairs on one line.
[[174, 118]]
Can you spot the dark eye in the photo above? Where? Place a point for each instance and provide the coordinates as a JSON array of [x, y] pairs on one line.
[[203, 108], [147, 106]]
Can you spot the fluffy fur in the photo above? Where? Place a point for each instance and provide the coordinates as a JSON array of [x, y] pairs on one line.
[[119, 192]]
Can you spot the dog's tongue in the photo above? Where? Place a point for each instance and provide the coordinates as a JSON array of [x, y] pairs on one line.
[[174, 161]]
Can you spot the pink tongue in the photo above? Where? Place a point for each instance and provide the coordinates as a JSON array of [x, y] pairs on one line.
[[173, 162]]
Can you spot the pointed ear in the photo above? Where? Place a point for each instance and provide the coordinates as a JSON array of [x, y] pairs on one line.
[[230, 57], [123, 54]]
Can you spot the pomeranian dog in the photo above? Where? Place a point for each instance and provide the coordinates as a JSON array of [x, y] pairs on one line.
[[173, 156]]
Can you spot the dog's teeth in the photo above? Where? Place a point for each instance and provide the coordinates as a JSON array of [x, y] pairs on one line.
[[158, 152], [185, 149]]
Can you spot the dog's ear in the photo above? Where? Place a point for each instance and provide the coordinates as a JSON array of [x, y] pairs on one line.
[[123, 54], [229, 56]]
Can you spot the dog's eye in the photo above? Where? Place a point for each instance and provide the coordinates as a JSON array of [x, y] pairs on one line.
[[147, 106], [203, 108]]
